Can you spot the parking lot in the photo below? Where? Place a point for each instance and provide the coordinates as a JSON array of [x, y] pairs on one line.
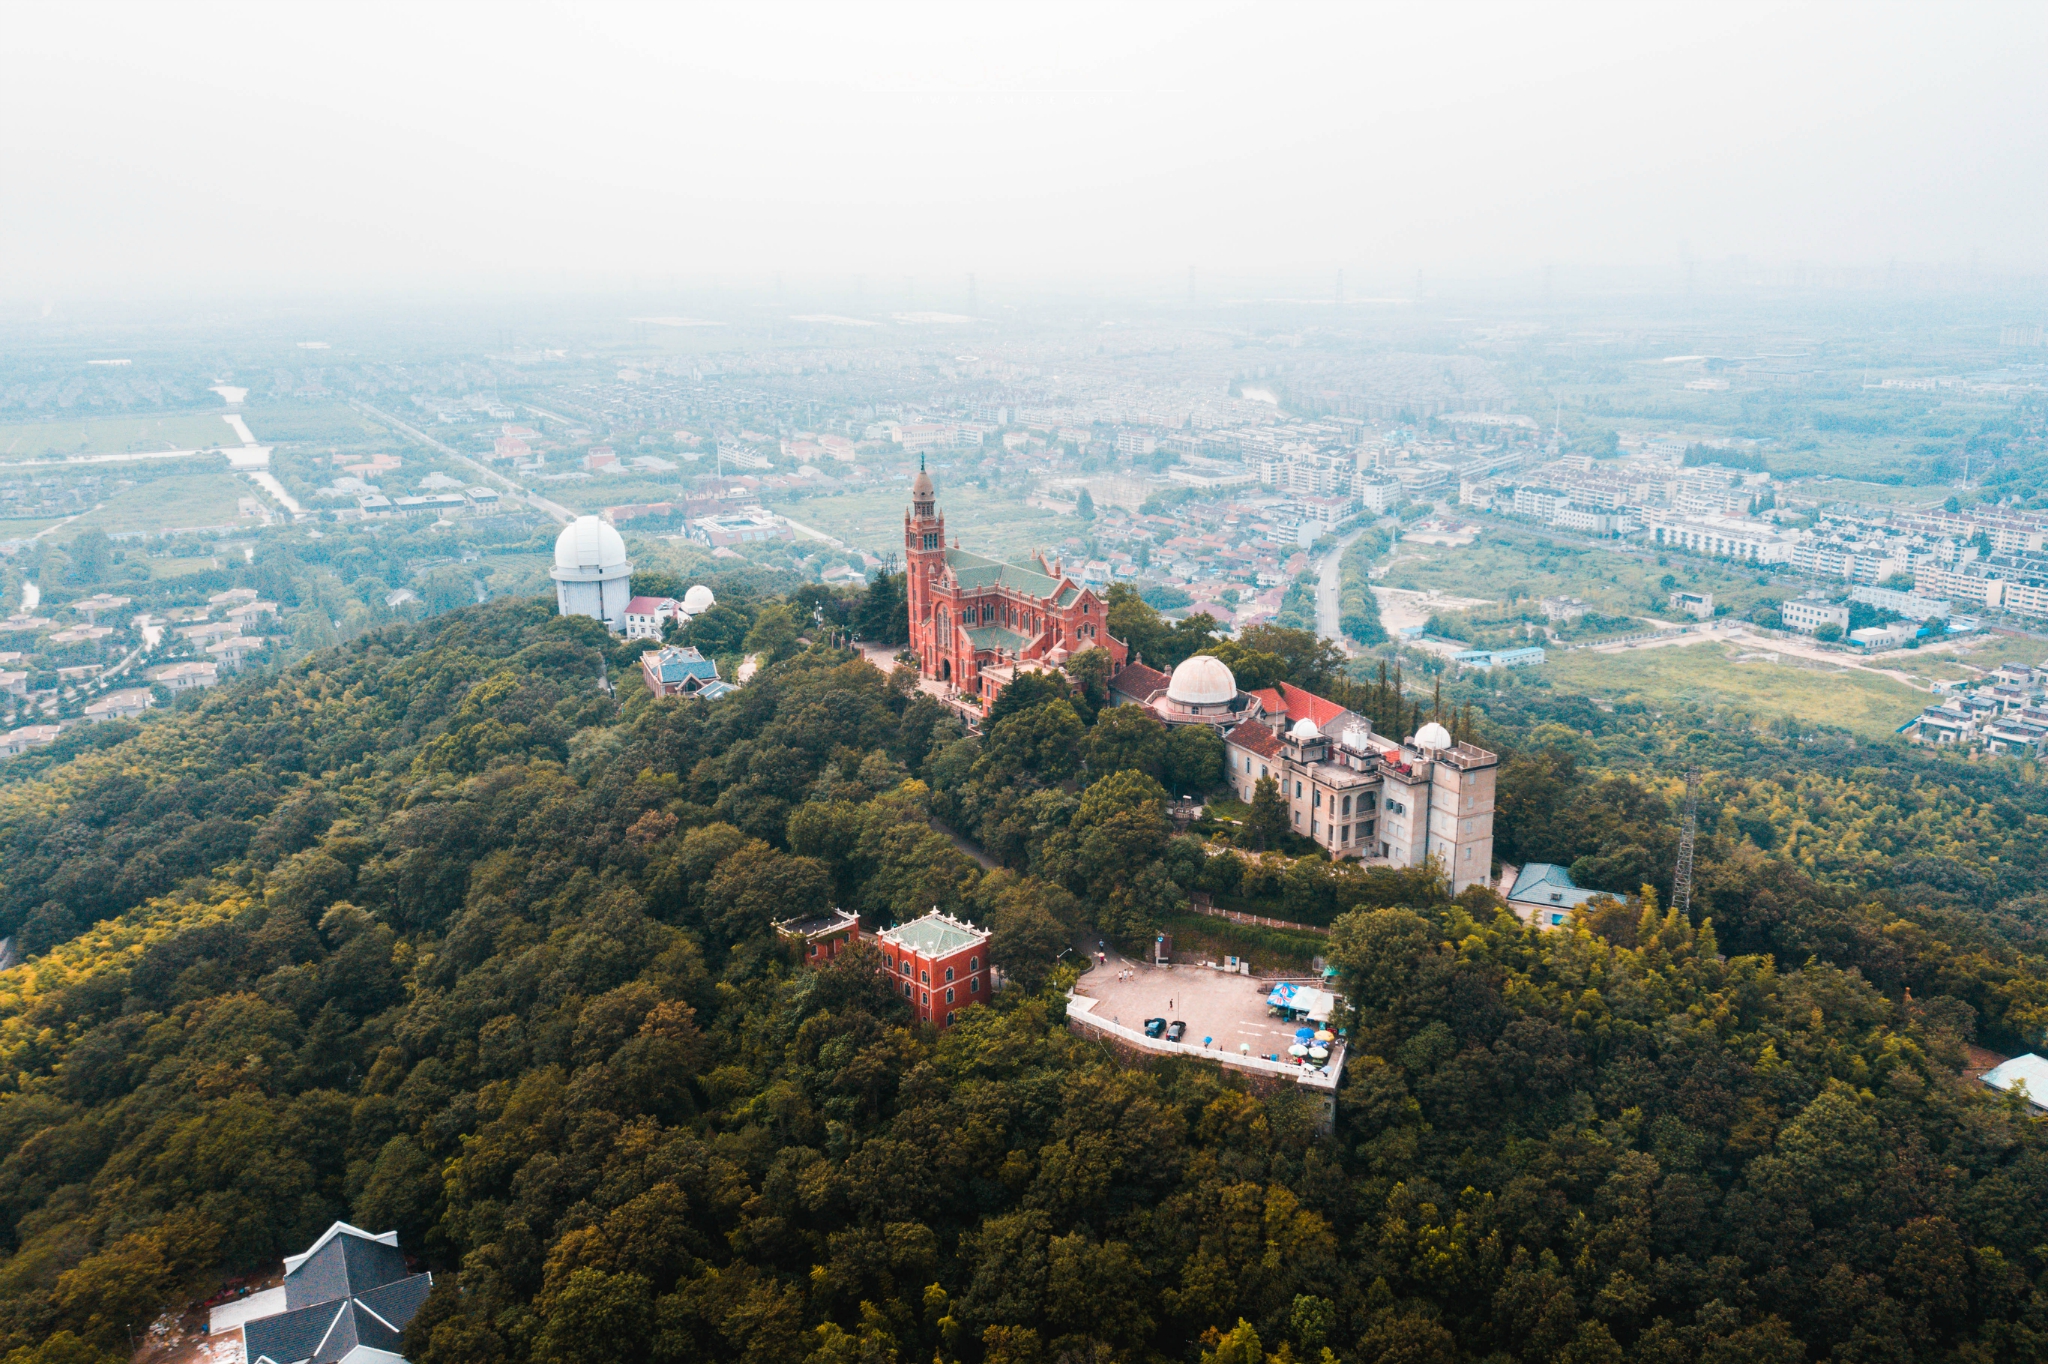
[[1229, 1009]]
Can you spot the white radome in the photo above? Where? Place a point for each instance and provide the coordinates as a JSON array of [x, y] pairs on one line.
[[1304, 730], [698, 600], [589, 543], [1432, 735], [1202, 680]]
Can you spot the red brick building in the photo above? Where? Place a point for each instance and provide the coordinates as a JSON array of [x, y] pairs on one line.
[[820, 937], [940, 963], [970, 615]]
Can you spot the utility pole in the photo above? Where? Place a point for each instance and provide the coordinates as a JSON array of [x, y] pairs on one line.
[[1681, 878]]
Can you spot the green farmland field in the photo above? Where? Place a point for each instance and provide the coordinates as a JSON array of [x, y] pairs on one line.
[[114, 435], [1864, 703]]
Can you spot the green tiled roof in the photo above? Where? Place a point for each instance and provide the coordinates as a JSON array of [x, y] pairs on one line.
[[1069, 597], [997, 637], [972, 570], [934, 936]]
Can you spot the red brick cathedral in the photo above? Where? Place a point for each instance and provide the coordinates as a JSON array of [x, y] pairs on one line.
[[973, 620]]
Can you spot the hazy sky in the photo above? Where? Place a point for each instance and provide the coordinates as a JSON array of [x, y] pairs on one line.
[[173, 148]]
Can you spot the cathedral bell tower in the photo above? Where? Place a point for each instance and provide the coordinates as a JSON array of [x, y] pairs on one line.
[[924, 554]]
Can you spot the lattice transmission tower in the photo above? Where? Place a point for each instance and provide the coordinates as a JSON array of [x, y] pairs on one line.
[[1681, 876]]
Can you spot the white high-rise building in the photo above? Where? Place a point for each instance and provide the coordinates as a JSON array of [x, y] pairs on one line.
[[592, 577]]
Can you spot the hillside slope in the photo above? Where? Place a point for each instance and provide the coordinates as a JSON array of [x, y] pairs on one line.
[[433, 933]]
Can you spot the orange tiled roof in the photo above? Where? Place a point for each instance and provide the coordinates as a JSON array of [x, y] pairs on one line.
[[1135, 679], [1254, 738], [1297, 705]]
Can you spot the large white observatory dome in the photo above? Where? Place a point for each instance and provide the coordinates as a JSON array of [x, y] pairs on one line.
[[1202, 680], [1432, 735], [698, 600], [592, 577], [590, 544]]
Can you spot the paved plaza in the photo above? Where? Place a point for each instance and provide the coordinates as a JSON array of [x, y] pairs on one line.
[[1230, 1009]]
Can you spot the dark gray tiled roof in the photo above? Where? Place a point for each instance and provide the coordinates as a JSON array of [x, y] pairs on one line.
[[290, 1337], [396, 1302], [351, 1289], [326, 1332], [346, 1264]]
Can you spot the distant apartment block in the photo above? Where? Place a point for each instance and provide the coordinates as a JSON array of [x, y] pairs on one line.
[[1930, 580], [1560, 508], [2026, 599], [1539, 504], [18, 741], [1808, 614], [750, 525], [1823, 560], [1374, 494], [1528, 656], [121, 705], [1911, 605], [184, 676], [1722, 538]]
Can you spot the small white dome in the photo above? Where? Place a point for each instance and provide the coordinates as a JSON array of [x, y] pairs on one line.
[[1304, 730], [587, 543], [698, 600], [1432, 735], [1202, 680]]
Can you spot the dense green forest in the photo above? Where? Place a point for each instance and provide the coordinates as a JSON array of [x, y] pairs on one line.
[[454, 929]]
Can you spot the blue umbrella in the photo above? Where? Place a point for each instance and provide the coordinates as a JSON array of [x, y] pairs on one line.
[[1304, 1034]]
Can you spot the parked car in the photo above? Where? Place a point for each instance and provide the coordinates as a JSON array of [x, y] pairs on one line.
[[1177, 1031], [1155, 1027]]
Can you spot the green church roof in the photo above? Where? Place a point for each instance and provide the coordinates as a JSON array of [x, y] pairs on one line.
[[935, 935], [975, 571], [997, 637]]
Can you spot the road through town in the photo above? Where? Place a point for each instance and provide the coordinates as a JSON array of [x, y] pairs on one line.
[[1328, 588], [532, 499]]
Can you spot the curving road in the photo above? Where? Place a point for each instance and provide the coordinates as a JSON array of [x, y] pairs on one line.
[[1328, 586]]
